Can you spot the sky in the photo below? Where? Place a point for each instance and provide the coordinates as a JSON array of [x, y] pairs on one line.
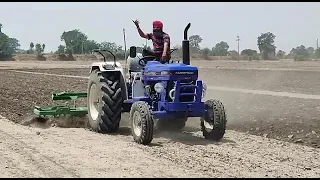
[[293, 23]]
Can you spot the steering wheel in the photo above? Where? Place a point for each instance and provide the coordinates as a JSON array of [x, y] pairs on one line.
[[143, 61]]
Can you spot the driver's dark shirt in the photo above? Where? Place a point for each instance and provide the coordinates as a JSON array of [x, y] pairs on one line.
[[158, 45]]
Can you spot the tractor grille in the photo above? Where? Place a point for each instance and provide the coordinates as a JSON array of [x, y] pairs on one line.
[[186, 91]]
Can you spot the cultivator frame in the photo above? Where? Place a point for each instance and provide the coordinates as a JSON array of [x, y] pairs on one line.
[[59, 110]]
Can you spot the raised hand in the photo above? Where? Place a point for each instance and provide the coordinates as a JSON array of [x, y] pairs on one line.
[[136, 22]]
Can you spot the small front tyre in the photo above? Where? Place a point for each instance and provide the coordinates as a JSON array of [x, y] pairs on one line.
[[141, 123], [213, 124]]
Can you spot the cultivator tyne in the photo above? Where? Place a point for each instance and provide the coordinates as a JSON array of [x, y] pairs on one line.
[[58, 110]]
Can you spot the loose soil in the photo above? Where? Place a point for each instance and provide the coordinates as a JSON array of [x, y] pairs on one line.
[[41, 148], [289, 119]]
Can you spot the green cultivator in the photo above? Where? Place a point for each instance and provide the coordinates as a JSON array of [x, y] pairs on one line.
[[63, 109]]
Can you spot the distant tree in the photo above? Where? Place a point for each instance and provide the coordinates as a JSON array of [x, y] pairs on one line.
[[74, 40], [90, 45], [220, 49], [13, 45], [31, 45], [69, 51], [205, 53], [251, 54], [281, 54], [21, 51], [3, 43], [8, 45], [111, 46], [39, 49], [61, 49], [233, 53], [317, 53], [310, 51], [291, 54], [248, 52], [266, 44], [300, 53], [195, 40]]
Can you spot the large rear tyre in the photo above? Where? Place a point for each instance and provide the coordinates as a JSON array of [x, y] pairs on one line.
[[213, 124], [104, 101], [141, 123]]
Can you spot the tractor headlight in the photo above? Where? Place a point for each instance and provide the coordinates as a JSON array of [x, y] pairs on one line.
[[159, 87], [204, 89]]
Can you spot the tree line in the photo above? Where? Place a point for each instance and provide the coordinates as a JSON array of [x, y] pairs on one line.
[[77, 42]]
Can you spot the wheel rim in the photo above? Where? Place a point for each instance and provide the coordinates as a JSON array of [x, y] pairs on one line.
[[93, 102], [208, 123], [137, 124]]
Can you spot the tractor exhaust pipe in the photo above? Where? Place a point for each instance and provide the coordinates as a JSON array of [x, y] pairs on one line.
[[186, 46]]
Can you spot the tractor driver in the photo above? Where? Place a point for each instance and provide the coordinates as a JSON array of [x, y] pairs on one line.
[[160, 40]]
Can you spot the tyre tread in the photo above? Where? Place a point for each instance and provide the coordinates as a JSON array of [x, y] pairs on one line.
[[219, 119]]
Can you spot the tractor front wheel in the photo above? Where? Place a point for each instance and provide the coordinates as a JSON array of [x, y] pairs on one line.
[[104, 101], [213, 123], [141, 123]]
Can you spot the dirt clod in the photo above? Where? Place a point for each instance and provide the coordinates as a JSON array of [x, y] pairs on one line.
[[290, 136]]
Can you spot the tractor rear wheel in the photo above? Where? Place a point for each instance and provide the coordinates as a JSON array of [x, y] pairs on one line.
[[104, 101], [141, 121], [213, 124]]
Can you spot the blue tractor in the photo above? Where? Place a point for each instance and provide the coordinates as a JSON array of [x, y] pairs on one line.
[[156, 95]]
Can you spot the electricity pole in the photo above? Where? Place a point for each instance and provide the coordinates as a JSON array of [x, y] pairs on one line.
[[125, 44], [317, 50], [238, 39]]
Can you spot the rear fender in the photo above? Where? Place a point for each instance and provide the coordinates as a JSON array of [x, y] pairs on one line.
[[106, 66]]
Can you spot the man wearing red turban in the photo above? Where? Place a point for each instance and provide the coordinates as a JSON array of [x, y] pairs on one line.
[[160, 40]]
